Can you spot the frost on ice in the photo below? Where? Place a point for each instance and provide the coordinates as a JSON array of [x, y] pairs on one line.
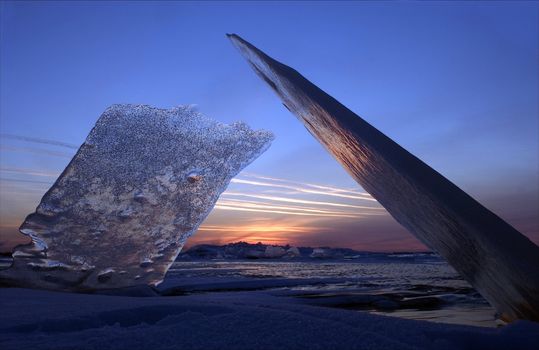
[[139, 186], [500, 262]]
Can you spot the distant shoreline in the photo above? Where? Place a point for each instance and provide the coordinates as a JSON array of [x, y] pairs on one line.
[[244, 250]]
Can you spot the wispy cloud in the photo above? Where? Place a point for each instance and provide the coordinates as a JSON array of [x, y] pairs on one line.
[[259, 202], [266, 227], [271, 209], [306, 189], [25, 180], [258, 209], [299, 201], [279, 209], [307, 209], [25, 173], [38, 151], [38, 140], [32, 172], [306, 184]]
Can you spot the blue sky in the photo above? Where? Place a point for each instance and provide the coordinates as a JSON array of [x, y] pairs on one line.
[[455, 83]]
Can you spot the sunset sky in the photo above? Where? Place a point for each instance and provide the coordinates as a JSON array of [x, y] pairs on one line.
[[456, 84]]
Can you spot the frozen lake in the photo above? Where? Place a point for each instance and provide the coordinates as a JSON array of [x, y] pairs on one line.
[[414, 286]]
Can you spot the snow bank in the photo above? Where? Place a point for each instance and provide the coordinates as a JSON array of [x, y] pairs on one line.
[[33, 319]]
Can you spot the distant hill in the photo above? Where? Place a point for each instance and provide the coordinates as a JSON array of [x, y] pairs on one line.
[[243, 250]]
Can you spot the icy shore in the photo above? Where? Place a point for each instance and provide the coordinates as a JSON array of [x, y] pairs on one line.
[[33, 319]]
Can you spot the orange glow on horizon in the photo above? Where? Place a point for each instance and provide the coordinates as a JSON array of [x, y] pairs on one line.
[[267, 231]]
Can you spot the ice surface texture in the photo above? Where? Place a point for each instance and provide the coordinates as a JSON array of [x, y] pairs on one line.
[[36, 319], [139, 186], [500, 262]]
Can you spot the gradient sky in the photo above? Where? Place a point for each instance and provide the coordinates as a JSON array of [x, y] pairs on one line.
[[455, 83]]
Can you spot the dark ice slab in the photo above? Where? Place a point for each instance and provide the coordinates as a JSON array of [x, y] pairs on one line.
[[500, 262], [139, 186]]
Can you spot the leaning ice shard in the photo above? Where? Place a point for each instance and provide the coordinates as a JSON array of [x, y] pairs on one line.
[[138, 187], [500, 262]]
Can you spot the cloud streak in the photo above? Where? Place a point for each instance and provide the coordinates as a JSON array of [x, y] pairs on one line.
[[288, 203], [38, 151], [306, 184], [299, 201], [254, 228], [38, 140], [266, 209], [359, 196], [32, 172], [256, 207], [24, 180], [278, 209]]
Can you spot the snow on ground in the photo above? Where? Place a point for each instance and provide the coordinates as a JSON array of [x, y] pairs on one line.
[[33, 319]]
